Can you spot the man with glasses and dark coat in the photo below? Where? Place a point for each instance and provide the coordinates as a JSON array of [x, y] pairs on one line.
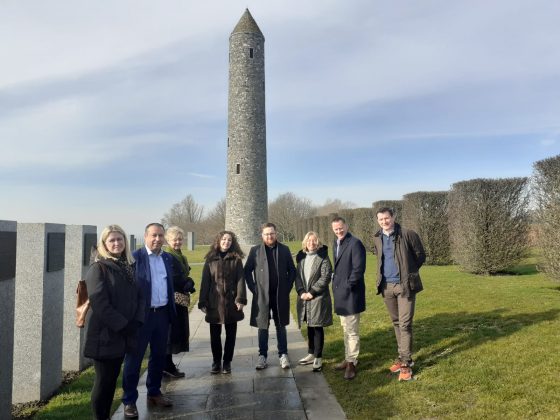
[[270, 273]]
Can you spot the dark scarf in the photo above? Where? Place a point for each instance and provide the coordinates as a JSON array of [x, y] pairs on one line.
[[125, 267]]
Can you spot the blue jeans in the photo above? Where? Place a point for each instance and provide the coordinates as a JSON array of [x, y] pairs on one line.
[[281, 337]]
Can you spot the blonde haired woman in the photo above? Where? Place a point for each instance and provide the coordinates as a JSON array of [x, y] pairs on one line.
[[116, 313], [314, 305], [179, 333]]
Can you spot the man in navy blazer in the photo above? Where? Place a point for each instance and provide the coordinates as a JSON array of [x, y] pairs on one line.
[[154, 271], [349, 291]]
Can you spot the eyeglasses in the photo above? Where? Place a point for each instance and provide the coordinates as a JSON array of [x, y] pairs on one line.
[[269, 234]]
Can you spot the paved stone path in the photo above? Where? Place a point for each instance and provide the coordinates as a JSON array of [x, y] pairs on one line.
[[272, 394]]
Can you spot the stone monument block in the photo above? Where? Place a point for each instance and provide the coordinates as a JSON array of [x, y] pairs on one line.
[[78, 247], [7, 305], [190, 241], [39, 312]]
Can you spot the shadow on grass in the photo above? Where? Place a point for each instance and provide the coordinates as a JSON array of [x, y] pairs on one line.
[[460, 331], [521, 270], [447, 334], [435, 338]]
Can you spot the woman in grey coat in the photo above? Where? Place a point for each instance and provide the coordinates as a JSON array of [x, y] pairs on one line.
[[314, 271]]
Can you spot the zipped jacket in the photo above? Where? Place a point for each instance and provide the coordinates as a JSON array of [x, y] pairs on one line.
[[409, 256]]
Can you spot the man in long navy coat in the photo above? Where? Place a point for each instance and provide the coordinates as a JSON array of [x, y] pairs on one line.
[[349, 291], [154, 273]]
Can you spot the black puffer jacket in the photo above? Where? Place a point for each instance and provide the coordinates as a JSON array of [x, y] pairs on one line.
[[223, 285], [115, 300]]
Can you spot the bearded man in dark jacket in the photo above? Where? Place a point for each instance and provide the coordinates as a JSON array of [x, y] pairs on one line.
[[400, 255], [270, 273]]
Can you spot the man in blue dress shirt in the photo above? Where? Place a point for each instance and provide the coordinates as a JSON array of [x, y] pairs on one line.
[[154, 271]]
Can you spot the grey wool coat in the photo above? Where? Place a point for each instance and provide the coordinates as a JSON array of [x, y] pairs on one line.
[[256, 276], [317, 312]]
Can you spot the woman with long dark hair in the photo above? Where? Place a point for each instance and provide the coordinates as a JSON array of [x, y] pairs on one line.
[[223, 296]]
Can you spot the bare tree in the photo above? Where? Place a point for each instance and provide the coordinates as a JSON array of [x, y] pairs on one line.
[[212, 223], [186, 214], [333, 206], [286, 210]]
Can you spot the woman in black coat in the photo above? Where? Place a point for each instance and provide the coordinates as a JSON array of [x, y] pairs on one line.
[[223, 296], [116, 312], [183, 285]]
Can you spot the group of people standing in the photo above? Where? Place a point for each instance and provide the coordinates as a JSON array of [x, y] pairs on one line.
[[141, 298], [132, 300]]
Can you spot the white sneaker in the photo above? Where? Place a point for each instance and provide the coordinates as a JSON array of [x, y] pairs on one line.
[[261, 363], [317, 365], [284, 361], [307, 360]]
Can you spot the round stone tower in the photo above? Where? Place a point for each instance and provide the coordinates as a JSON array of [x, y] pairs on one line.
[[246, 196]]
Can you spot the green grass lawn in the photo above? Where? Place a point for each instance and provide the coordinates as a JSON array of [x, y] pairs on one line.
[[486, 348]]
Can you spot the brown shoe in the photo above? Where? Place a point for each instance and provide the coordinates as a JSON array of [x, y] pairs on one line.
[[350, 372], [160, 400], [130, 411], [341, 365]]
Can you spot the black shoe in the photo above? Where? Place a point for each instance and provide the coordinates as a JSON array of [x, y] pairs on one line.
[[130, 411], [227, 367], [216, 368], [173, 372]]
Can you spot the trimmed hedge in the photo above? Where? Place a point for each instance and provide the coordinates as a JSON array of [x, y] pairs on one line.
[[425, 212], [546, 192], [488, 223]]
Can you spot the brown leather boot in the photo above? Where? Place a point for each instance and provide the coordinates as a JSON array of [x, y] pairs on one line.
[[350, 372], [341, 365]]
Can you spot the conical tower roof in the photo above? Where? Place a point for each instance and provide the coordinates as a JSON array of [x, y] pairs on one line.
[[247, 25]]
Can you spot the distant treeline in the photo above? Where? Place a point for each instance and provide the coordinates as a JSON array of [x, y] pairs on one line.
[[481, 224]]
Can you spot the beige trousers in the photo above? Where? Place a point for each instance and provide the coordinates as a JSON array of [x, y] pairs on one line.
[[351, 327]]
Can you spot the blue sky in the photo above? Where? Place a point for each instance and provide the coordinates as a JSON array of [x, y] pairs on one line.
[[110, 112]]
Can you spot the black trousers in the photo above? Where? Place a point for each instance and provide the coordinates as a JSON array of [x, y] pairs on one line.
[[216, 341], [315, 341], [106, 374]]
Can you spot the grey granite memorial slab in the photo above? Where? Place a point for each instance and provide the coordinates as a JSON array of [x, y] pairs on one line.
[[39, 298], [78, 247], [7, 307], [190, 241]]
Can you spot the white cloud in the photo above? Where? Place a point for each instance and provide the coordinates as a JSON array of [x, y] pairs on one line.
[[87, 84]]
